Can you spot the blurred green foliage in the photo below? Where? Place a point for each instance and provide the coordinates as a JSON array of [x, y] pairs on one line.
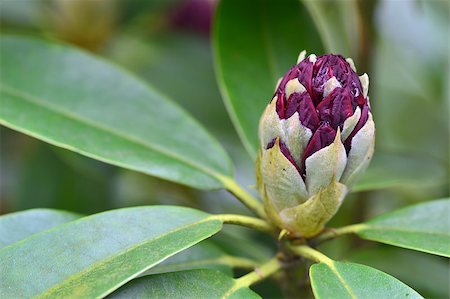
[[403, 45]]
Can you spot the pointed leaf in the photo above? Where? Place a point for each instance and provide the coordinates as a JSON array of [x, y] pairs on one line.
[[348, 280], [17, 226], [423, 227], [397, 261], [255, 43], [95, 255], [185, 284], [80, 102]]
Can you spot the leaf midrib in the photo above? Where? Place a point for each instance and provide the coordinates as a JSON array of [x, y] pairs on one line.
[[196, 263], [48, 292], [34, 100], [369, 227]]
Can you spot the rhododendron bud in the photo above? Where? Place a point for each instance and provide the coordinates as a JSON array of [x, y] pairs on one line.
[[316, 139]]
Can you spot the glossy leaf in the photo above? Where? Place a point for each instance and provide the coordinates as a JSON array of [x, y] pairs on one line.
[[77, 101], [395, 170], [431, 273], [185, 284], [95, 255], [255, 42], [338, 24], [17, 226], [201, 256], [423, 227], [349, 280]]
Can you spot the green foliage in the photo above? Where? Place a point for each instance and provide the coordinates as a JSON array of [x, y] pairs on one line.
[[421, 227], [79, 101], [400, 263], [338, 24], [389, 170], [93, 256], [348, 280], [200, 283], [203, 255], [257, 50], [113, 120], [17, 226]]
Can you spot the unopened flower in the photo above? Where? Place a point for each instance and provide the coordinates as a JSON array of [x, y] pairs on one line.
[[316, 139]]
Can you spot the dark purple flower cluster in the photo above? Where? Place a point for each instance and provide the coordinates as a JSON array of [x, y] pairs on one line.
[[320, 111]]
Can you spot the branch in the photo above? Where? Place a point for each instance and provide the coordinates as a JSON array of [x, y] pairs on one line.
[[259, 274], [251, 222], [246, 198]]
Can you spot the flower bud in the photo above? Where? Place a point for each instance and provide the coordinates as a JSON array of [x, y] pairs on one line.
[[316, 138]]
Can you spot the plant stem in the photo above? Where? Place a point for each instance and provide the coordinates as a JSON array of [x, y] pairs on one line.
[[247, 221], [336, 232], [310, 254], [246, 198], [260, 273]]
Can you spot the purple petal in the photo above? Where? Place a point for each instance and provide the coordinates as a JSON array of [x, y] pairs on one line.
[[302, 103], [305, 68], [336, 107]]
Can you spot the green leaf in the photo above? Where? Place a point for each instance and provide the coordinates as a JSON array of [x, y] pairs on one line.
[[185, 284], [203, 255], [423, 227], [400, 170], [255, 42], [77, 101], [17, 226], [431, 273], [93, 256], [348, 280], [338, 24]]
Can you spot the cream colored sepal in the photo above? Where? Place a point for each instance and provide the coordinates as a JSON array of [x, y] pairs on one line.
[[270, 124], [301, 56], [352, 64], [325, 164], [309, 218], [330, 85], [293, 86], [284, 186], [361, 152], [364, 79], [294, 135], [350, 124]]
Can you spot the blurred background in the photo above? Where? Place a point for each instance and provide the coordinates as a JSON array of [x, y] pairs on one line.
[[403, 46]]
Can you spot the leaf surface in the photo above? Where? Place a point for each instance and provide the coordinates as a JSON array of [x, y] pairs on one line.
[[203, 255], [398, 262], [93, 256], [17, 226], [348, 280], [423, 227], [185, 284], [80, 102], [338, 25], [255, 43]]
